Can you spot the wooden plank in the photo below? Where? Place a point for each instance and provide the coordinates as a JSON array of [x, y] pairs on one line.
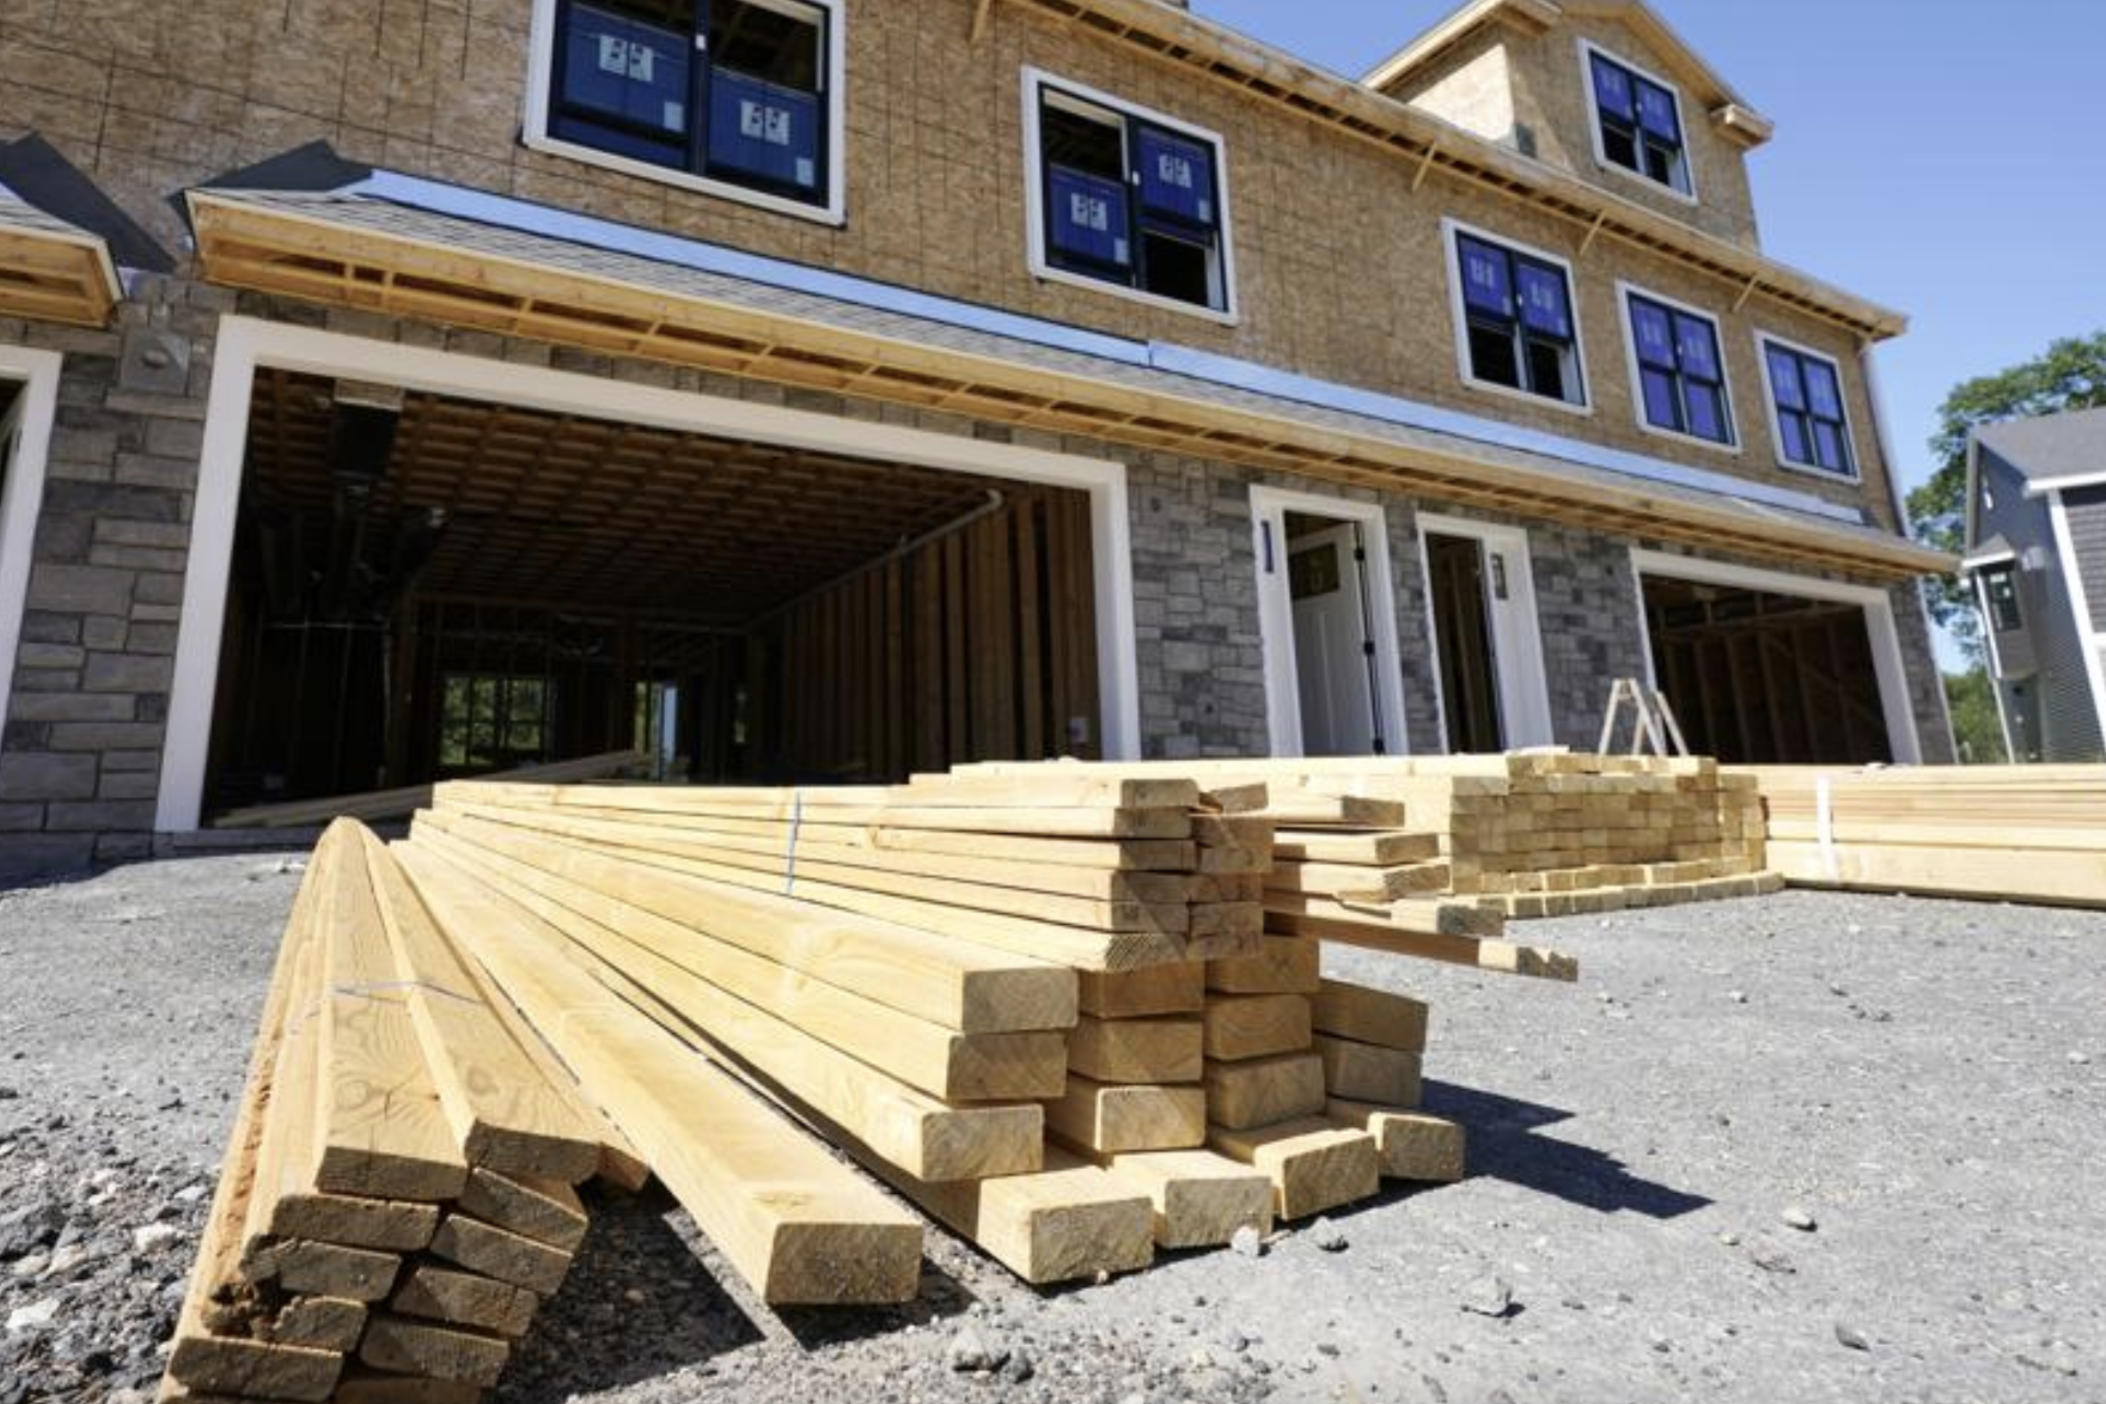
[[1483, 953], [1364, 1072], [921, 1133], [1292, 806], [795, 1224], [1410, 1145], [409, 1347], [504, 1114], [1256, 1026], [321, 1269], [1102, 1117], [1380, 849], [2045, 877], [692, 971], [1136, 1050], [1067, 1222], [1263, 1091], [380, 1130], [547, 1211], [500, 1253], [465, 1299], [320, 1323], [1178, 988], [1282, 965], [1314, 1166], [962, 986], [402, 802], [1371, 1016], [1200, 1198], [1359, 884]]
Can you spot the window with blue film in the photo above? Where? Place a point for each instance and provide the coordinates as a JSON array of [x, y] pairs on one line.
[[1681, 378], [1813, 428], [1518, 322], [1640, 124], [735, 90], [1131, 203]]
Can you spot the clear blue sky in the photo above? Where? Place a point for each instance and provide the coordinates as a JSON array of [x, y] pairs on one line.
[[1943, 157]]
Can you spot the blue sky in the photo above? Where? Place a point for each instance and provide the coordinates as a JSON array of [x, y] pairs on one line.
[[1943, 158]]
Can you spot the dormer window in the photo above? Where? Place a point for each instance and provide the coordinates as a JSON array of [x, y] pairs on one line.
[[1638, 123]]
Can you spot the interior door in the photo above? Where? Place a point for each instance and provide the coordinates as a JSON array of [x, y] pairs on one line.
[[1333, 643]]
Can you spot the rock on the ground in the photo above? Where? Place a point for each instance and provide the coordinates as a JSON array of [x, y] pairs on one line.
[[1488, 1296], [1795, 1216], [1247, 1242]]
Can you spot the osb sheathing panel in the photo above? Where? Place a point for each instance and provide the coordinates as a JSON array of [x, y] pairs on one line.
[[1340, 268]]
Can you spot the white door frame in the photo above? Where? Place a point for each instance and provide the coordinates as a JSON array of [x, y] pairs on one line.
[[1269, 507], [245, 344], [1524, 681], [22, 496], [1887, 662]]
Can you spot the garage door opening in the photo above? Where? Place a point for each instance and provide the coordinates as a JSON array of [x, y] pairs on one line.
[[424, 586], [1763, 677]]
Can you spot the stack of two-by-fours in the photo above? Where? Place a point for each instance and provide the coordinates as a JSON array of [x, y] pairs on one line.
[[1045, 1009]]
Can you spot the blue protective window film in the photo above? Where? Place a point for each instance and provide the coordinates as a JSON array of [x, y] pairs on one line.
[[1696, 344], [1177, 176], [1656, 112], [1544, 304], [1612, 89], [624, 69], [1784, 379], [1682, 381], [764, 129], [1089, 218], [1654, 330], [1487, 280], [1639, 124]]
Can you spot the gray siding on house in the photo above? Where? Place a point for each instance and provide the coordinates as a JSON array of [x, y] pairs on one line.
[[2058, 694], [2087, 536]]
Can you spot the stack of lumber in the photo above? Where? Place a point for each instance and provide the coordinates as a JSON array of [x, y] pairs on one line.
[[397, 1199], [2034, 833], [1429, 842], [1048, 1011]]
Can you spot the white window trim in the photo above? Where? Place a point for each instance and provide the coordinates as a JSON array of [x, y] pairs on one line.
[[1769, 408], [1889, 664], [1041, 263], [1459, 315], [36, 374], [1625, 291], [1269, 507], [1524, 679], [1588, 49], [246, 343], [535, 133]]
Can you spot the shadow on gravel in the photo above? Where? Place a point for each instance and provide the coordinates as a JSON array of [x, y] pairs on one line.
[[638, 1304], [1504, 1146], [939, 1298]]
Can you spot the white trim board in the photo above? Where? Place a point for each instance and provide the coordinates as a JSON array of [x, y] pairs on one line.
[[1269, 507], [245, 344], [1517, 641], [22, 495], [535, 133], [1034, 83], [1888, 662], [2088, 634]]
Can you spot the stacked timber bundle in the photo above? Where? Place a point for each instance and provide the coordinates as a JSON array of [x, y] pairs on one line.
[[397, 1199], [1427, 843], [1046, 1011], [2033, 833]]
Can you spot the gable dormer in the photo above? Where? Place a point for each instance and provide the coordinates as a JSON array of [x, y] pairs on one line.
[[1604, 89]]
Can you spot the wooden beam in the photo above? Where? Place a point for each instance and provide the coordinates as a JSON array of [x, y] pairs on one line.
[[981, 10]]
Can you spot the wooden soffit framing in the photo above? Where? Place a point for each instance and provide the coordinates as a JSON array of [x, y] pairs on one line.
[[1267, 75], [51, 271], [308, 256]]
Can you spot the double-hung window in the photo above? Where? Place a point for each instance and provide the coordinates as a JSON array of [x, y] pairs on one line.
[[737, 94], [1680, 374], [1638, 123], [1519, 330], [2000, 589], [1806, 395], [1128, 199]]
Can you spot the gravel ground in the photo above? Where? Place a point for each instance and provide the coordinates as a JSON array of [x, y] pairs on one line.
[[1812, 1147]]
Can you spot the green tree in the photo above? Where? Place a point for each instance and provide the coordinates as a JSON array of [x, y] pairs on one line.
[[2071, 375], [1977, 731]]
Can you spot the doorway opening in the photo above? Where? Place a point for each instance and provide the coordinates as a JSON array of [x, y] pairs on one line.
[[1480, 593]]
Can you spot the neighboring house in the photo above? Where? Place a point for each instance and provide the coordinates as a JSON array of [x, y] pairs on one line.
[[2036, 556], [821, 389]]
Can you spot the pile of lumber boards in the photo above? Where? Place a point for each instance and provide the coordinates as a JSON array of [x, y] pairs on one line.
[[2033, 833], [1427, 842], [1057, 1013]]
